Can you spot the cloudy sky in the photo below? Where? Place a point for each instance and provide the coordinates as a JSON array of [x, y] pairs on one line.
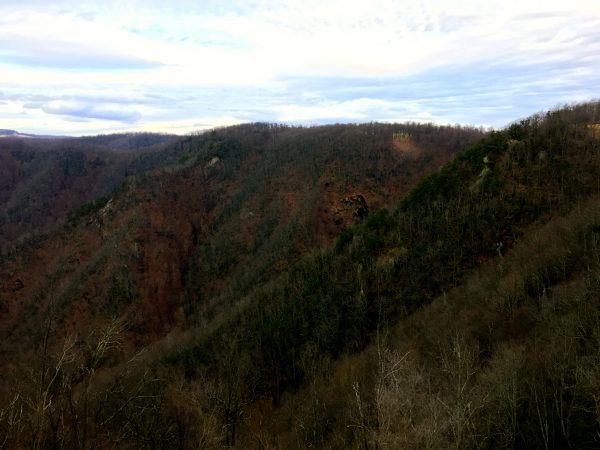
[[76, 67]]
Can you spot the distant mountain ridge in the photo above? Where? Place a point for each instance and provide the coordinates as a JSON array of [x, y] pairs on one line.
[[15, 134], [116, 141]]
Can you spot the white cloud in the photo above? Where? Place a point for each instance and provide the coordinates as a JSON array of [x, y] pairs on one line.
[[157, 62]]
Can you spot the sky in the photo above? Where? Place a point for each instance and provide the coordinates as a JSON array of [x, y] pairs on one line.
[[181, 66]]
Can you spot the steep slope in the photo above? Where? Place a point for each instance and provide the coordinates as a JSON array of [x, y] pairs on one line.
[[173, 251], [265, 330], [268, 363], [41, 180], [506, 359], [512, 354], [234, 209]]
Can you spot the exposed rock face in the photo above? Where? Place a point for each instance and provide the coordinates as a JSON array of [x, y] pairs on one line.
[[351, 210], [18, 285], [215, 160]]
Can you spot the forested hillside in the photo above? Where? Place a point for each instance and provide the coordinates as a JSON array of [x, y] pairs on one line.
[[42, 180], [280, 287]]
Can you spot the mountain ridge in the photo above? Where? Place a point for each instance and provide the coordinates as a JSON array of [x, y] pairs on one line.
[[220, 320]]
